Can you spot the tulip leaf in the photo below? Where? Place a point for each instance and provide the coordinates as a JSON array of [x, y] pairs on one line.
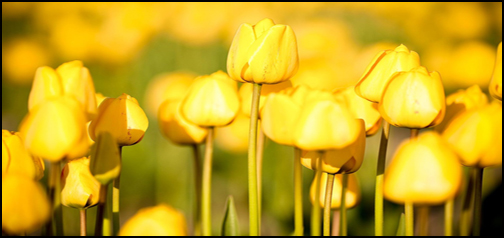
[[230, 222], [401, 229]]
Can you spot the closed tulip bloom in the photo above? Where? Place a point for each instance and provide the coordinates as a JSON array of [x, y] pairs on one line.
[[123, 118], [264, 53], [423, 171], [337, 161], [234, 137], [25, 206], [496, 83], [56, 130], [476, 136], [161, 220], [176, 128], [377, 75], [105, 164], [46, 84], [352, 196], [17, 160], [211, 101], [80, 189], [245, 93], [414, 99]]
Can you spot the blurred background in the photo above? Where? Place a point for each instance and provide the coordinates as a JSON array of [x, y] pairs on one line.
[[127, 45]]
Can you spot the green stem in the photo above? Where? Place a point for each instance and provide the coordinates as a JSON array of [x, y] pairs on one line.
[[423, 221], [100, 210], [449, 217], [206, 215], [260, 151], [478, 184], [254, 218], [315, 216], [298, 194], [197, 182], [408, 210], [382, 154], [343, 218], [327, 204], [56, 223], [83, 226], [107, 217], [115, 200], [465, 219]]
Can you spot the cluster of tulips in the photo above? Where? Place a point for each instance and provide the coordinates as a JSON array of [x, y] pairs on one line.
[[68, 123]]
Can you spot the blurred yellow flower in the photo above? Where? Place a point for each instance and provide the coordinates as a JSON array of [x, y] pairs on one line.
[[25, 206], [176, 128], [17, 160], [378, 73], [423, 171], [20, 59], [245, 94], [264, 53], [105, 164], [79, 188], [414, 99], [234, 137], [15, 9], [56, 129], [123, 118], [496, 83], [476, 136], [161, 220], [352, 196], [212, 100]]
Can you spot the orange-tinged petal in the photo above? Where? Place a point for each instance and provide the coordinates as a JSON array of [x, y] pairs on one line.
[[79, 188], [161, 220], [352, 195], [105, 164], [47, 84], [496, 83], [176, 128]]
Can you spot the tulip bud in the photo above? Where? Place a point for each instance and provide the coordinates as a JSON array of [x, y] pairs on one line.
[[105, 163], [245, 93], [423, 171], [372, 84], [211, 101], [176, 128], [17, 159], [80, 189], [496, 83], [476, 136], [161, 220], [56, 130], [352, 196], [264, 53], [168, 86], [337, 161], [123, 118], [25, 206], [414, 99]]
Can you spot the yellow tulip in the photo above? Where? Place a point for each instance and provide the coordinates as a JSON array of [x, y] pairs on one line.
[[414, 99], [264, 53], [461, 101], [245, 93], [80, 189], [352, 196], [476, 136], [377, 75], [496, 83], [176, 128], [56, 130], [123, 118], [25, 206], [338, 161], [234, 137], [105, 164], [424, 171], [161, 220], [17, 160], [212, 100]]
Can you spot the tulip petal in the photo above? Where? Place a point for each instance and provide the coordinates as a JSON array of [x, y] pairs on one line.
[[47, 84], [279, 118], [237, 56], [105, 163]]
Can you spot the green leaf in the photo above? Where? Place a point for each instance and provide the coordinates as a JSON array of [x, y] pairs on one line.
[[230, 222], [401, 229]]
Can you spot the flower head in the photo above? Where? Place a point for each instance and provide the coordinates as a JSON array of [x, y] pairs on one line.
[[17, 160], [352, 195], [79, 188], [161, 220]]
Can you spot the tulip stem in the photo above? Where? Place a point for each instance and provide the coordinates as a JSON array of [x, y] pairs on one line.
[[56, 223], [83, 222], [197, 182], [465, 218], [423, 221], [206, 215], [315, 216], [382, 154], [115, 200], [335, 230], [327, 204], [414, 133], [408, 210], [255, 220], [100, 211], [298, 194], [449, 217], [478, 182], [260, 151], [343, 218]]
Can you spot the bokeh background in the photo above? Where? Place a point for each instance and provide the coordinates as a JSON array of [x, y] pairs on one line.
[[127, 45]]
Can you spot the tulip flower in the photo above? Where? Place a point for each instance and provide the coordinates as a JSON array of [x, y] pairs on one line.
[[414, 99], [56, 130], [476, 136], [234, 137], [176, 128], [245, 93], [17, 160], [264, 53], [496, 83], [105, 163], [80, 188], [161, 220], [211, 101], [25, 206], [353, 194], [123, 118], [423, 171], [372, 84]]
